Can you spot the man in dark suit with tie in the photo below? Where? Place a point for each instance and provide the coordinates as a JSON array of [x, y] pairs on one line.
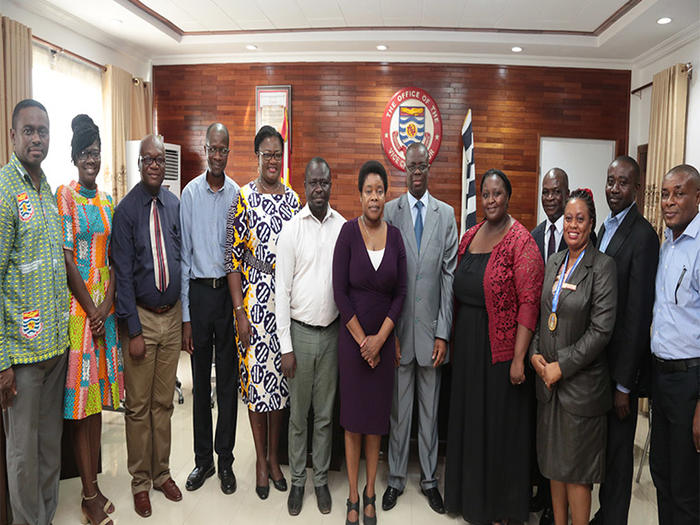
[[630, 240], [549, 234], [549, 237]]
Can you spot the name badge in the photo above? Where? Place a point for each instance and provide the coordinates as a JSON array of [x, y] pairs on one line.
[[569, 286]]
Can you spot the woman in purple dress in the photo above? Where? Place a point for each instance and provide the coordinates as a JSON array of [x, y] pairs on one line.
[[369, 284]]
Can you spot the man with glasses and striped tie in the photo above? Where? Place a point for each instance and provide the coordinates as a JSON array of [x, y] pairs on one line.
[[146, 257]]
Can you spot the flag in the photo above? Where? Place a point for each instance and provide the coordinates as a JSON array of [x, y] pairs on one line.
[[284, 131], [468, 175]]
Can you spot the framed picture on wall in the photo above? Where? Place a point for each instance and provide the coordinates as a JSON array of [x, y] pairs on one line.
[[273, 107]]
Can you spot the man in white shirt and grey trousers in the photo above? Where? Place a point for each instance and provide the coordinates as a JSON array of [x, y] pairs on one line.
[[307, 325]]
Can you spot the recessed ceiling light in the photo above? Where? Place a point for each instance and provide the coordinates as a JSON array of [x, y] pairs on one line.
[[382, 47], [251, 47], [663, 21], [516, 49]]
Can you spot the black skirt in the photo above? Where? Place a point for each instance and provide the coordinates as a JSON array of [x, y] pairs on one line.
[[487, 474]]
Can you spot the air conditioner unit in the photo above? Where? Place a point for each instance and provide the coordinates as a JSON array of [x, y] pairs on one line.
[[172, 166]]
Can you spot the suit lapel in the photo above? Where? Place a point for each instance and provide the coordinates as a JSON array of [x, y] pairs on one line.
[[430, 224], [579, 273], [406, 225], [622, 232]]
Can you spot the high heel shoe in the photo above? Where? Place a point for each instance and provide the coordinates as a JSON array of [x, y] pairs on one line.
[[263, 491], [86, 519], [352, 506], [366, 502], [109, 506], [280, 484]]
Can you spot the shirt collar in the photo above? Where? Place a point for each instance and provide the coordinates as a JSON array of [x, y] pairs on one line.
[[23, 171], [617, 218], [691, 230], [558, 224], [146, 196], [412, 200], [306, 212], [206, 183]]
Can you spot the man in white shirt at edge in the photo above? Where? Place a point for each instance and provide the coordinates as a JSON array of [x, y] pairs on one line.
[[307, 324]]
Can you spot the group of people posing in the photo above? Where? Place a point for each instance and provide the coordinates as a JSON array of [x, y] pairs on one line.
[[548, 333]]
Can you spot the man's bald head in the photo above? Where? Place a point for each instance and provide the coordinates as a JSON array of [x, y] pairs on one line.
[[217, 127], [555, 192]]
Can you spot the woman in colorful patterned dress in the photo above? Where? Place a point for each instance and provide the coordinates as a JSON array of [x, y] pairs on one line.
[[94, 379], [252, 228]]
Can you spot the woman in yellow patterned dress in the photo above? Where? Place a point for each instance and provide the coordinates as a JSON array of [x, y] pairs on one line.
[[252, 228], [94, 378]]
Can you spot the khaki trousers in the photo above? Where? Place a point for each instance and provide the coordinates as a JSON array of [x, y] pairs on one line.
[[150, 386]]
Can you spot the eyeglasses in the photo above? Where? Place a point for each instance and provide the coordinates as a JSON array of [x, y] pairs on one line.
[[268, 156], [211, 150], [147, 161], [415, 167], [92, 154]]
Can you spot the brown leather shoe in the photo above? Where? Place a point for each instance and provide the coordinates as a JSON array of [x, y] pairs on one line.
[[142, 504], [170, 490]]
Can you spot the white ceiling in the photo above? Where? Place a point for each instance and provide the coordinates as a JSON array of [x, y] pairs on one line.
[[342, 30]]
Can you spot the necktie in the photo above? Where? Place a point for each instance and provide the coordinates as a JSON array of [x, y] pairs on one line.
[[551, 248], [160, 258], [418, 225]]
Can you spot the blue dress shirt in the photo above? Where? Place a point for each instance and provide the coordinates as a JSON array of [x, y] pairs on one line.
[[676, 326], [132, 256], [412, 204], [612, 223], [203, 222]]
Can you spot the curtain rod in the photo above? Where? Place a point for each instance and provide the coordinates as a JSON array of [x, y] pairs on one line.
[[60, 49], [687, 68]]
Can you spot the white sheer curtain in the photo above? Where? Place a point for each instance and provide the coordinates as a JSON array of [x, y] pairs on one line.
[[66, 87]]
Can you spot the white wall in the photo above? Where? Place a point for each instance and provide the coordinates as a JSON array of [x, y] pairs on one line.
[[64, 37], [640, 108]]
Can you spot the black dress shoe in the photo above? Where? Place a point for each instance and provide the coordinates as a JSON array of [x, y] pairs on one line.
[[280, 484], [537, 503], [547, 517], [198, 476], [434, 499], [389, 498], [323, 498], [597, 519], [295, 499], [228, 480]]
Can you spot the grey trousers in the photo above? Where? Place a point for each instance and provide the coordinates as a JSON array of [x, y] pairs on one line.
[[33, 428], [314, 385], [427, 380]]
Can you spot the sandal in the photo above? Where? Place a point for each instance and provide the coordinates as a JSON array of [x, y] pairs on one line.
[[353, 506], [366, 502], [86, 519], [109, 506]]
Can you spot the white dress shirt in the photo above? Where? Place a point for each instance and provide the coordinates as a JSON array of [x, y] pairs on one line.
[[558, 234], [304, 272], [412, 204]]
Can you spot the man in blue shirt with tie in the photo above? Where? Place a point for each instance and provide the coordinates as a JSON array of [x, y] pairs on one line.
[[207, 311], [146, 253], [675, 345]]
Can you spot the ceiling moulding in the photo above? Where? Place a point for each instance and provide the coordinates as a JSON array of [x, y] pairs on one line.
[[58, 16], [668, 46], [151, 15], [390, 57], [621, 23]]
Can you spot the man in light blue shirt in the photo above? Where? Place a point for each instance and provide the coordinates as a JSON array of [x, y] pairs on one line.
[[675, 345], [630, 240], [207, 312]]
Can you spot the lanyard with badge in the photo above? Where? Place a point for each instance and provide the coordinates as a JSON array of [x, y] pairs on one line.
[[552, 322]]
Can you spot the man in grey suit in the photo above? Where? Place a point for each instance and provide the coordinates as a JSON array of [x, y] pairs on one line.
[[429, 232]]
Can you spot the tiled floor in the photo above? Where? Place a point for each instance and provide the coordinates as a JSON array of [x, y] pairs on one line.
[[209, 505]]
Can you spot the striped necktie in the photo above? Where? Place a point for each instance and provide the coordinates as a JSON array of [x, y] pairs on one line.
[[160, 257]]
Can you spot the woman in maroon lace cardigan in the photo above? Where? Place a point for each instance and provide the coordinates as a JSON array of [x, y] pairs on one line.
[[497, 287]]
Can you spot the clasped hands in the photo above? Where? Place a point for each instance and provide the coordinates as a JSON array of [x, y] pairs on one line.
[[370, 347], [549, 372], [97, 318]]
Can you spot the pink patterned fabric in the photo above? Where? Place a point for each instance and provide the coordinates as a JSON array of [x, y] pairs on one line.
[[512, 286]]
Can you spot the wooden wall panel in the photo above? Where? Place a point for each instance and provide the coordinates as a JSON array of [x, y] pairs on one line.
[[337, 110]]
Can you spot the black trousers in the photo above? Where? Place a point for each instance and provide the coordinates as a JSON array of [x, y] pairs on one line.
[[674, 463], [616, 492], [211, 314]]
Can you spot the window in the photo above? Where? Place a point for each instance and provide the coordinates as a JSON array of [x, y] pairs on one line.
[[66, 87]]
